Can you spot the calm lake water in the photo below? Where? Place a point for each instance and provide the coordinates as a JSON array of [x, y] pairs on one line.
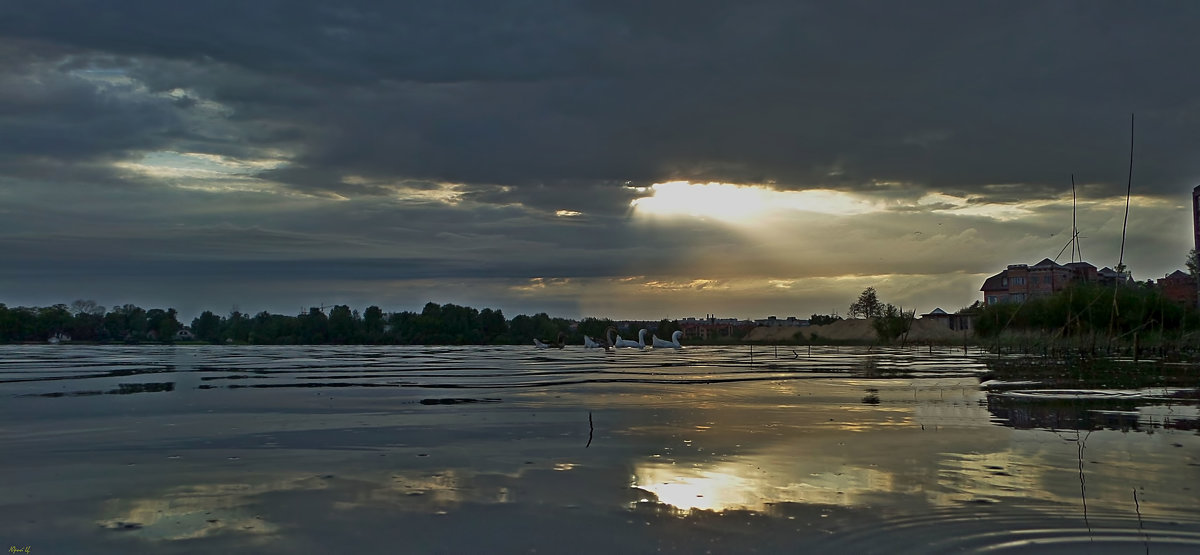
[[516, 450]]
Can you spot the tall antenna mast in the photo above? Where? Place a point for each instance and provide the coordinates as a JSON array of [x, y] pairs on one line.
[[1073, 242], [1074, 231], [1128, 191]]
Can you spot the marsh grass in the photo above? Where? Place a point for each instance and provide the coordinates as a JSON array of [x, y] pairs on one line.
[[1090, 320]]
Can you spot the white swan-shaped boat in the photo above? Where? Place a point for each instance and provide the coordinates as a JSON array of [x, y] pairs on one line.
[[629, 343], [589, 343], [664, 344]]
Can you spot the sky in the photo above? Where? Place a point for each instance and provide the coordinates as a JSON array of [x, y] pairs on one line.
[[609, 158]]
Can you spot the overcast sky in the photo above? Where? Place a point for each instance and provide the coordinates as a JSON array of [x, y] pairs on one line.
[[612, 158]]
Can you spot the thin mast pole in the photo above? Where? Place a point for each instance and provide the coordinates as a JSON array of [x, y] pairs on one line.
[[1128, 191], [1074, 230]]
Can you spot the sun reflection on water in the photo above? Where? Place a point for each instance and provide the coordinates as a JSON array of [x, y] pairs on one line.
[[753, 484]]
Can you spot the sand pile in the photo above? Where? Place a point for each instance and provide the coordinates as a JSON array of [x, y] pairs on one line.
[[855, 330]]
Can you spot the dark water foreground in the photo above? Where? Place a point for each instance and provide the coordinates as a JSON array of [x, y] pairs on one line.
[[511, 449]]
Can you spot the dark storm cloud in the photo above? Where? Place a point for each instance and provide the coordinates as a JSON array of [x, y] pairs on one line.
[[249, 232], [166, 269], [933, 94], [379, 141], [49, 115]]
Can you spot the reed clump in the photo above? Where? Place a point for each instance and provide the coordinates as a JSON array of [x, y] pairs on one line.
[[1089, 320]]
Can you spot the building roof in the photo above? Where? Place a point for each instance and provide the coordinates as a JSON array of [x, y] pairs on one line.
[[1109, 273], [1047, 263], [993, 283], [1178, 274], [936, 312]]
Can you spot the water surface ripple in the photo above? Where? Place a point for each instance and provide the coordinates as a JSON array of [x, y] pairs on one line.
[[256, 449], [469, 367]]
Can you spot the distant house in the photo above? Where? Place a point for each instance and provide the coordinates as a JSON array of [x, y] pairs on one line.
[[711, 326], [953, 321], [1178, 287], [1019, 282], [1109, 276], [773, 322], [184, 335], [1086, 272]]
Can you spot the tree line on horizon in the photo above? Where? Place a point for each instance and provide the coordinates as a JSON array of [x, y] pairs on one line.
[[1079, 310], [435, 324]]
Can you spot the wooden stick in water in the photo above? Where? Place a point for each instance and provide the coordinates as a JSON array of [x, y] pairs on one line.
[[591, 429]]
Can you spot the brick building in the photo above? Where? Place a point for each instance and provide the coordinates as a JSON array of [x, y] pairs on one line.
[[1020, 282], [1178, 287], [711, 326]]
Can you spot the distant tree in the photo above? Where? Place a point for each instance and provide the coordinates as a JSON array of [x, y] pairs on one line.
[[427, 326], [126, 322], [563, 325], [53, 320], [594, 327], [23, 322], [8, 324], [236, 327], [80, 307], [893, 322], [493, 324], [341, 325], [373, 323], [87, 326], [524, 329], [460, 325], [207, 327], [400, 326], [823, 319], [274, 329], [666, 328], [162, 324], [314, 327], [867, 305], [170, 325]]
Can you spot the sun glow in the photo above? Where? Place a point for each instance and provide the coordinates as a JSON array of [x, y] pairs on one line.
[[744, 203], [205, 172], [965, 206]]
